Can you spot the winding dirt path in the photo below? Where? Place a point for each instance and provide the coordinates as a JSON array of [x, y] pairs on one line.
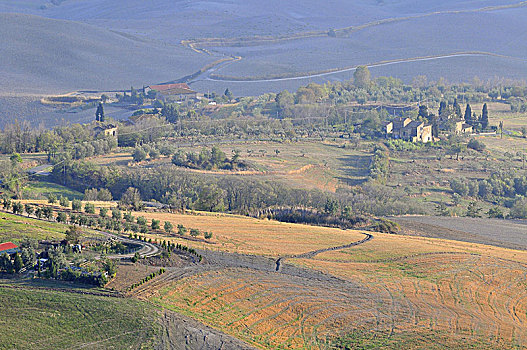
[[312, 254], [207, 73]]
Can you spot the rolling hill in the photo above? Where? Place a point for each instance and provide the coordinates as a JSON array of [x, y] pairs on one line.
[[60, 46], [43, 55]]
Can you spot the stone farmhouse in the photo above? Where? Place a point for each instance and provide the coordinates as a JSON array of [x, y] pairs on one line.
[[106, 129], [408, 130], [449, 121]]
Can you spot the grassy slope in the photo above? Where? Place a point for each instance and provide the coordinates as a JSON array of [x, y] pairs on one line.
[[45, 56], [318, 165], [57, 320], [41, 189], [16, 228], [167, 24]]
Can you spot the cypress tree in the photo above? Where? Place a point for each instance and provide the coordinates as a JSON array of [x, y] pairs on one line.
[[484, 117], [99, 113], [457, 108], [18, 265], [442, 107], [468, 115]]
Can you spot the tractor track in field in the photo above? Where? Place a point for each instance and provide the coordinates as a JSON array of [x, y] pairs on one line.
[[310, 255], [217, 261]]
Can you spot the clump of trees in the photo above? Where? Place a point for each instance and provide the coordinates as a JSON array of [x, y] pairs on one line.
[[207, 159], [380, 165], [94, 194]]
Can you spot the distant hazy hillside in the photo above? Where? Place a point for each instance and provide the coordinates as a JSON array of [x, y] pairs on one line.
[[45, 55], [120, 43]]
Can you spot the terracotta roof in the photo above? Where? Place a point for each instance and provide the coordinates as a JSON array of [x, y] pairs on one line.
[[164, 87], [178, 91], [7, 246]]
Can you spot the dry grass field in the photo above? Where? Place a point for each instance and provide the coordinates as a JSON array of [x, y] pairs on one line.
[[505, 144], [390, 292], [303, 164], [459, 288], [253, 236]]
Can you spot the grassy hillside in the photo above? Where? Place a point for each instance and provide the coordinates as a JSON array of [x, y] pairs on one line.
[[252, 236], [43, 56], [41, 189], [16, 228], [46, 319], [96, 57]]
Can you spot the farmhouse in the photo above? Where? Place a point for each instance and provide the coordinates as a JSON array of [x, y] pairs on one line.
[[408, 130], [456, 126], [9, 248], [107, 130], [173, 92]]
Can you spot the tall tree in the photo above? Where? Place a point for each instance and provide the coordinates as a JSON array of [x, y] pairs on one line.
[[423, 112], [457, 108], [131, 198], [442, 107], [468, 115], [361, 77], [228, 94], [99, 113], [484, 117]]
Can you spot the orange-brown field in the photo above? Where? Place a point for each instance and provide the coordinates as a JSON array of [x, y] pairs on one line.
[[390, 292], [253, 236]]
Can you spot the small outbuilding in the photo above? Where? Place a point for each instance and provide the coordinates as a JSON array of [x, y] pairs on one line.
[[9, 248]]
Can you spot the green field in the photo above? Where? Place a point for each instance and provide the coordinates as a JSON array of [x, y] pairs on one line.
[[41, 319], [41, 189], [16, 228]]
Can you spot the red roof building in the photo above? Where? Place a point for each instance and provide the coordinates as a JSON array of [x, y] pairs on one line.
[[9, 248], [165, 87]]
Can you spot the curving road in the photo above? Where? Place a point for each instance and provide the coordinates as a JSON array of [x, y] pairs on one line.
[[207, 75], [147, 250]]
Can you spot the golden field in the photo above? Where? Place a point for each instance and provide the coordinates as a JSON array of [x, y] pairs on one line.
[[253, 236], [393, 291]]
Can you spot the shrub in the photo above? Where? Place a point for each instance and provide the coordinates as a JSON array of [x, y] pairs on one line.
[[519, 209], [181, 229], [139, 154], [476, 145], [89, 208], [128, 217], [116, 214], [62, 217], [136, 257], [76, 205], [141, 220], [168, 227], [52, 199], [64, 201]]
